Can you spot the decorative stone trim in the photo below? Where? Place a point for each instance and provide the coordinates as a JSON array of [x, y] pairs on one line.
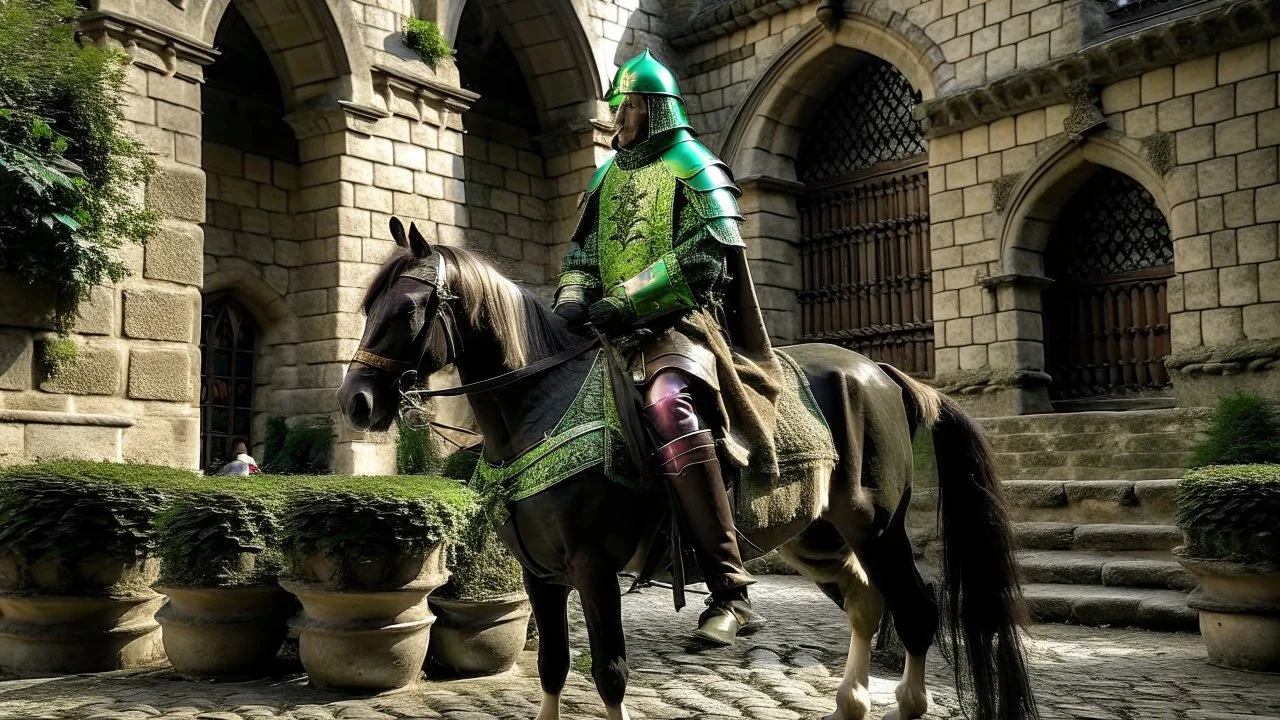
[[1157, 149], [727, 18], [47, 417], [985, 380], [148, 44], [768, 183], [398, 89], [1248, 356], [1086, 111], [994, 281], [1002, 190], [1221, 28]]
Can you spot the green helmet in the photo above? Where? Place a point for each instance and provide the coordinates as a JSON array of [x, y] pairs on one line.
[[644, 75]]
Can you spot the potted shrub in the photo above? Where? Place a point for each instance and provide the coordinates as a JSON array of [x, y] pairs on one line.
[[219, 557], [482, 612], [1231, 517], [362, 554], [77, 563]]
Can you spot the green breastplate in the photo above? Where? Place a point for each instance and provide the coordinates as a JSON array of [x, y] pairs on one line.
[[635, 220]]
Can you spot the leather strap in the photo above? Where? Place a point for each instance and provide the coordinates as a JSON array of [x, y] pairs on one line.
[[364, 357], [514, 376]]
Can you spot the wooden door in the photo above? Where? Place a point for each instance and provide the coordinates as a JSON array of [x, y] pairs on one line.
[[227, 345], [1106, 318], [864, 222]]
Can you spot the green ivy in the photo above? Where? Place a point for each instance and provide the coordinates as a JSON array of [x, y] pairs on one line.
[[1244, 429], [68, 167], [1231, 512], [425, 39], [224, 538], [56, 354], [304, 448], [460, 465], [481, 567], [415, 452]]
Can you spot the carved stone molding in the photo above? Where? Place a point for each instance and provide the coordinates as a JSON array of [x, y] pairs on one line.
[[1158, 151], [767, 183], [149, 45], [1086, 111], [1002, 190], [48, 417], [1221, 28], [419, 98]]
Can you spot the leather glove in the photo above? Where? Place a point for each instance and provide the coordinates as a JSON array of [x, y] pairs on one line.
[[610, 316], [574, 313]]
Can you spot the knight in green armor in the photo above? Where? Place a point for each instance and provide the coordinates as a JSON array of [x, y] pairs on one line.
[[655, 248]]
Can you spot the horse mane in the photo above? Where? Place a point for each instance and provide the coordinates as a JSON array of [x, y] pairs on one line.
[[525, 328]]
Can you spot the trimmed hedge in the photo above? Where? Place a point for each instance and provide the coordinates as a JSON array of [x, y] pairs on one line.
[[220, 531], [481, 567], [1244, 429], [1231, 512]]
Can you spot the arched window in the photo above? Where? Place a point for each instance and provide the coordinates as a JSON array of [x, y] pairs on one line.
[[864, 222], [1106, 319], [228, 340]]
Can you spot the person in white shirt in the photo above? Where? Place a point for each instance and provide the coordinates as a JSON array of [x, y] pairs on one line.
[[243, 464]]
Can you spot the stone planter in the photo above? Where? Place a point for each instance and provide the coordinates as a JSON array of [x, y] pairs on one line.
[[368, 635], [224, 633], [1239, 613], [479, 637], [91, 617]]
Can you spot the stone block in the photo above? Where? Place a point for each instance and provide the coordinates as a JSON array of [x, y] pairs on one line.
[[1033, 51], [1157, 85], [1200, 289], [1031, 127], [176, 254], [16, 353], [1209, 216], [988, 38], [1217, 176], [1184, 330], [1141, 122], [177, 191], [1195, 144], [1173, 293], [962, 174], [160, 375], [958, 333], [946, 304], [1122, 96], [1194, 76], [1223, 248], [1269, 128], [157, 315], [1262, 322], [1269, 281], [74, 442], [1257, 168], [1174, 114], [1019, 325], [1182, 221], [1242, 62], [946, 205], [1239, 285], [1267, 203], [1215, 105], [978, 199], [1257, 244], [1222, 326], [1235, 136], [973, 357], [1003, 134], [1255, 95], [1238, 209], [162, 441], [96, 370]]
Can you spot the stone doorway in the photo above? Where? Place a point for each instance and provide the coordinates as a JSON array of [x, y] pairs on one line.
[[864, 222], [1106, 315]]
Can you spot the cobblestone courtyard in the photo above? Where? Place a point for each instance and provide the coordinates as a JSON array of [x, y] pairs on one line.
[[786, 672]]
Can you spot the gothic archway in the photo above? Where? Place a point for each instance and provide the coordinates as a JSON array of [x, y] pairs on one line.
[[864, 223], [1110, 257], [229, 341]]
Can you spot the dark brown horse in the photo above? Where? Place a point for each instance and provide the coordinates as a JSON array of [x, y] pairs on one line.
[[430, 307]]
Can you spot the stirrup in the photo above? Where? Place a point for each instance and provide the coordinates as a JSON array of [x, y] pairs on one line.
[[722, 622]]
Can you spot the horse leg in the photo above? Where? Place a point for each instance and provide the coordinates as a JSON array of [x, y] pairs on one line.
[[597, 586], [839, 568], [550, 605]]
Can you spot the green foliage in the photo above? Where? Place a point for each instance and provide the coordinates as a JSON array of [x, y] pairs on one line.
[[222, 539], [425, 39], [1231, 512], [356, 519], [415, 453], [68, 168], [481, 566], [1244, 429], [460, 465], [306, 447], [56, 354]]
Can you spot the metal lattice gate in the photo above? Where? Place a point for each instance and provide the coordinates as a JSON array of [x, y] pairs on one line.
[[227, 345], [865, 223], [1106, 318]]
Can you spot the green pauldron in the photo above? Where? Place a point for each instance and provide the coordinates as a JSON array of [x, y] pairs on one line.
[[572, 294], [657, 290]]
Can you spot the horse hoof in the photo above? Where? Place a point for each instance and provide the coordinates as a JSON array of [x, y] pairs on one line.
[[712, 637]]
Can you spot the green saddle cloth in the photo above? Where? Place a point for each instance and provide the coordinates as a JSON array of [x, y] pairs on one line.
[[590, 435]]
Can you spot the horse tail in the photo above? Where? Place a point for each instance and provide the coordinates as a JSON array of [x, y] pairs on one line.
[[984, 604]]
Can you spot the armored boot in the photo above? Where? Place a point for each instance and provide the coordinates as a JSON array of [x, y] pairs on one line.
[[691, 465]]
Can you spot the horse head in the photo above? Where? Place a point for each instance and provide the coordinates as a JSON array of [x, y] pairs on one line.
[[407, 329]]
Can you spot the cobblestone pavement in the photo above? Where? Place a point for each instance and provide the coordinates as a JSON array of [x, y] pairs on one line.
[[786, 672]]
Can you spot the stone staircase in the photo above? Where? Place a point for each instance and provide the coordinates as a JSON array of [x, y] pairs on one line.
[[1091, 495]]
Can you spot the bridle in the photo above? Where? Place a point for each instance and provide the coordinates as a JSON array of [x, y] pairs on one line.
[[433, 276]]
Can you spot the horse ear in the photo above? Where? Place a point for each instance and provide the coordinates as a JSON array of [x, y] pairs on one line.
[[397, 232], [418, 244]]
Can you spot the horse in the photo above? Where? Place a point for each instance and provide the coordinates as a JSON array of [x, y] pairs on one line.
[[432, 306]]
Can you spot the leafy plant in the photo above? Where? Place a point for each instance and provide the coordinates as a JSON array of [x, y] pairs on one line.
[[224, 539], [415, 452], [1244, 429], [460, 465], [425, 39], [357, 521], [68, 168], [481, 567], [306, 447], [56, 354], [1231, 512]]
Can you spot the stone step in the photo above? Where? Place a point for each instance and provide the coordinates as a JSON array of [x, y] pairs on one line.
[[1138, 569], [1133, 422], [1062, 466], [1111, 606], [1172, 443], [1133, 502], [1096, 536]]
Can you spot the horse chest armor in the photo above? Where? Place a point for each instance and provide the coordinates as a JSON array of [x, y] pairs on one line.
[[635, 221]]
